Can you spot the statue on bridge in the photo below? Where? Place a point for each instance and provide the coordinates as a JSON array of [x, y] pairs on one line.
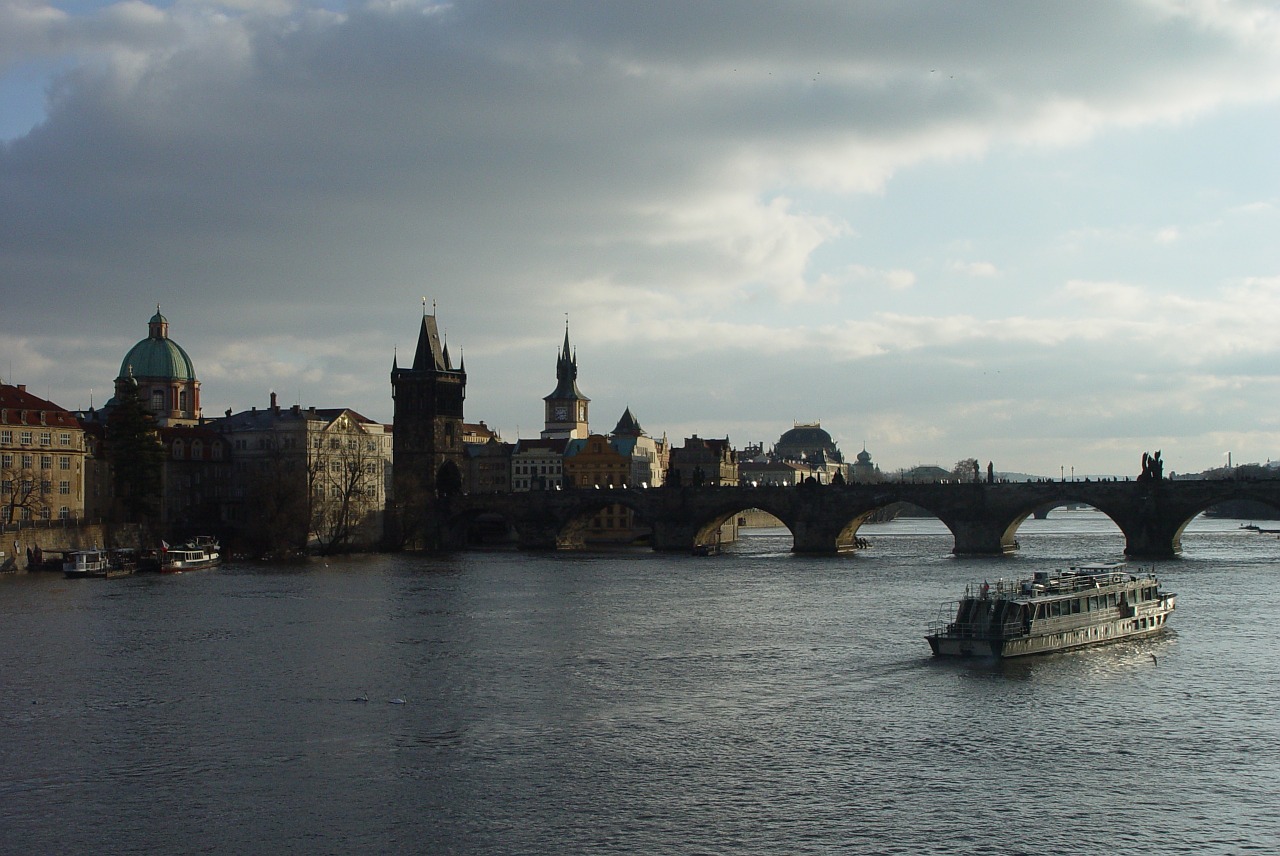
[[1152, 467]]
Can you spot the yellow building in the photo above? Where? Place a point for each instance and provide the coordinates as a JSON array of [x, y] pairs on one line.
[[42, 459], [597, 464]]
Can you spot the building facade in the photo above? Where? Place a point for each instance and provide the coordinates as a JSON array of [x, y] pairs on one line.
[[306, 478], [488, 467], [42, 459], [195, 480], [649, 457], [703, 462], [538, 465]]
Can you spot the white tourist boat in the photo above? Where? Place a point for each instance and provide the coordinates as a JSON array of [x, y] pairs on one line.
[[199, 552], [1092, 604], [86, 563]]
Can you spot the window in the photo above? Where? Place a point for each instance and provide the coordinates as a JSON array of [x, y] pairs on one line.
[[64, 513], [27, 462], [64, 439], [64, 463], [46, 438], [25, 438], [157, 400], [6, 461], [6, 437], [46, 486], [177, 450], [64, 488], [44, 513], [46, 462], [6, 487]]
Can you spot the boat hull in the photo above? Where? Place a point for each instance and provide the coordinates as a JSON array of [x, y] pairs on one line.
[[178, 567], [1149, 623]]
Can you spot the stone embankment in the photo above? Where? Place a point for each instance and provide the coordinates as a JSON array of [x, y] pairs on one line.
[[19, 541]]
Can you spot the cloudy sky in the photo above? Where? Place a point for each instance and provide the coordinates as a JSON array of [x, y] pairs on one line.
[[1042, 234]]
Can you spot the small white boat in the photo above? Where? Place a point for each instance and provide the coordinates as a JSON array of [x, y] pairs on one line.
[[86, 563], [200, 552]]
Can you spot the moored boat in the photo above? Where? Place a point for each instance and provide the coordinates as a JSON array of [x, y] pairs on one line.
[[121, 562], [1091, 604], [202, 551], [85, 563]]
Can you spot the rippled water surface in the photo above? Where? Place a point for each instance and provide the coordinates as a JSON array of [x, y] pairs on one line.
[[753, 702]]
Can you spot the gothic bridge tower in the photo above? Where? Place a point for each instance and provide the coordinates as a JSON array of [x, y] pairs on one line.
[[427, 437]]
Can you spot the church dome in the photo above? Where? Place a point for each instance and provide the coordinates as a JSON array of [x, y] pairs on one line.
[[806, 437], [158, 356], [807, 442]]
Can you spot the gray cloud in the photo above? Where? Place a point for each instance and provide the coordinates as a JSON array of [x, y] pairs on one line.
[[288, 181]]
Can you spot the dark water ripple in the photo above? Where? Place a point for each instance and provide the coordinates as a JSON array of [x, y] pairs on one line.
[[756, 702]]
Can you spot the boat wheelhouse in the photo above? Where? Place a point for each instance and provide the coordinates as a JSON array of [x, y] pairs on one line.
[[1090, 604], [85, 563]]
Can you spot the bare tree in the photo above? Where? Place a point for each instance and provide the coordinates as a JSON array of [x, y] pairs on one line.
[[344, 475], [965, 470], [25, 489]]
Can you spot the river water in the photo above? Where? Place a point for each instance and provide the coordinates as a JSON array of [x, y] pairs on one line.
[[753, 702]]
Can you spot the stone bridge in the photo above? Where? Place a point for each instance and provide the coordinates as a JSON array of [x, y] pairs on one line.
[[982, 517]]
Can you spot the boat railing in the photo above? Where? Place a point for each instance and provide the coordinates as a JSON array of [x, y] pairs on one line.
[[1061, 583], [988, 589], [976, 629]]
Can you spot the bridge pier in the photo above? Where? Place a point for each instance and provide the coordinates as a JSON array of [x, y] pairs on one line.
[[674, 535], [1152, 521], [982, 538]]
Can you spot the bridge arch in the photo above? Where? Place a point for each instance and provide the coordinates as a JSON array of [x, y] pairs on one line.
[[703, 527]]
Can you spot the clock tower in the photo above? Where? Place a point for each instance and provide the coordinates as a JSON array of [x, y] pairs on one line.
[[566, 407]]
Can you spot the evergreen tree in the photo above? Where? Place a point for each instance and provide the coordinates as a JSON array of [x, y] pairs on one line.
[[136, 456]]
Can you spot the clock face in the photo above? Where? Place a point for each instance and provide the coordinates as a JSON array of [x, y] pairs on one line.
[[562, 412]]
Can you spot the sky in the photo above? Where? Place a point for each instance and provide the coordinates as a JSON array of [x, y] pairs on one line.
[[1038, 234]]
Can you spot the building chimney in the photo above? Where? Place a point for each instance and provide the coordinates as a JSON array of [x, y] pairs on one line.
[[275, 408]]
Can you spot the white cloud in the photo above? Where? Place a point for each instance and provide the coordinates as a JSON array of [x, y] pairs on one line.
[[975, 269]]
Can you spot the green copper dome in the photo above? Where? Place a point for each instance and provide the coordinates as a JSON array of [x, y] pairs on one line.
[[158, 356]]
